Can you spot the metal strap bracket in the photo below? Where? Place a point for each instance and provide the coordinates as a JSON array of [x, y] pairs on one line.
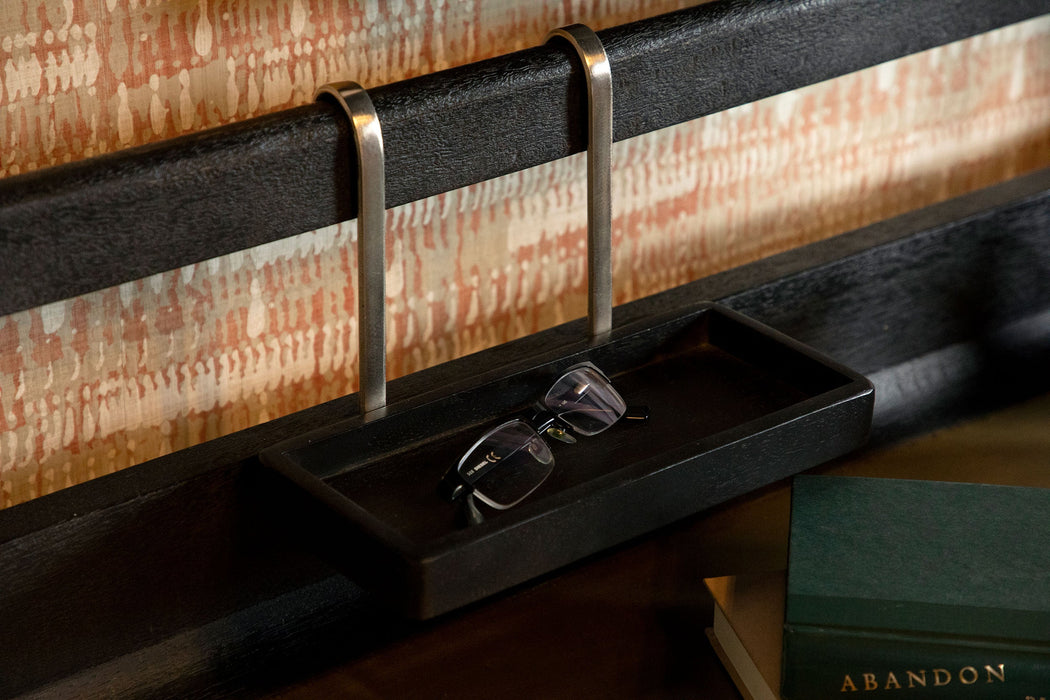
[[371, 241], [599, 173]]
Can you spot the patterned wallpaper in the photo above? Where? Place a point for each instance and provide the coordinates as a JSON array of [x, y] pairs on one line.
[[81, 78], [113, 378]]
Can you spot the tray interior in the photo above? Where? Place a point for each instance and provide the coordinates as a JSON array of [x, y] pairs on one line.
[[700, 378]]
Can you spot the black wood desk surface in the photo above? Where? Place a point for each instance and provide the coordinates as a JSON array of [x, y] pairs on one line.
[[187, 577], [630, 624]]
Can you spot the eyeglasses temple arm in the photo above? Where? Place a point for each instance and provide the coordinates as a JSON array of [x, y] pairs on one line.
[[636, 414]]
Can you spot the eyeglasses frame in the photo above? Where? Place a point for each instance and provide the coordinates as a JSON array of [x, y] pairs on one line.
[[454, 485]]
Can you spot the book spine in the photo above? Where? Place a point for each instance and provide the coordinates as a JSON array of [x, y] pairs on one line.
[[821, 663]]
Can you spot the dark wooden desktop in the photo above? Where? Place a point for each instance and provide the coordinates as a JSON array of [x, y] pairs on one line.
[[630, 623], [189, 577]]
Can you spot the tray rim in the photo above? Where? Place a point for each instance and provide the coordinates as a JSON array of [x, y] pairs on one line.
[[416, 553]]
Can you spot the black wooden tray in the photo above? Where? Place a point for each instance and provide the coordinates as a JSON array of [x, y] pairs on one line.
[[734, 405]]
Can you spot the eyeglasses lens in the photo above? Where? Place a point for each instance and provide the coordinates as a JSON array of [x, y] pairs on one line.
[[507, 464], [585, 400]]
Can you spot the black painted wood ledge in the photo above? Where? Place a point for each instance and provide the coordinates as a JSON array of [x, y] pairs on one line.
[[186, 576], [80, 227]]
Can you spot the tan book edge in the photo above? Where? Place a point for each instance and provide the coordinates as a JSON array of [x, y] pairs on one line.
[[748, 630]]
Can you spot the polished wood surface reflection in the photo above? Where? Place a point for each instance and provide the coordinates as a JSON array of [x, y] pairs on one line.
[[630, 624]]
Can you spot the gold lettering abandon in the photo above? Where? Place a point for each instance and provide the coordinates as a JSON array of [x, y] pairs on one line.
[[917, 678], [967, 675]]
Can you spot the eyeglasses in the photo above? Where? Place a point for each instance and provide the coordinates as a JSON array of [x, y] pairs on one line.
[[510, 461]]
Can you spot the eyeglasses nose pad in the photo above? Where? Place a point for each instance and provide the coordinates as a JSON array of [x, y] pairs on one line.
[[469, 513], [561, 435]]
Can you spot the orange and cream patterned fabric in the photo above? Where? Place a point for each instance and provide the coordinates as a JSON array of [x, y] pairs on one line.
[[82, 78], [116, 377]]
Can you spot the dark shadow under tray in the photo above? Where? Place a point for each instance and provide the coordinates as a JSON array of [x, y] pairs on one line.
[[733, 406]]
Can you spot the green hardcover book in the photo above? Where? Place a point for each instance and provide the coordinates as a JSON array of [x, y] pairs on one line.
[[917, 589]]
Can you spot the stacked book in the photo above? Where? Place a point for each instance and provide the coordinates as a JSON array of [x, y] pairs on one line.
[[896, 588]]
